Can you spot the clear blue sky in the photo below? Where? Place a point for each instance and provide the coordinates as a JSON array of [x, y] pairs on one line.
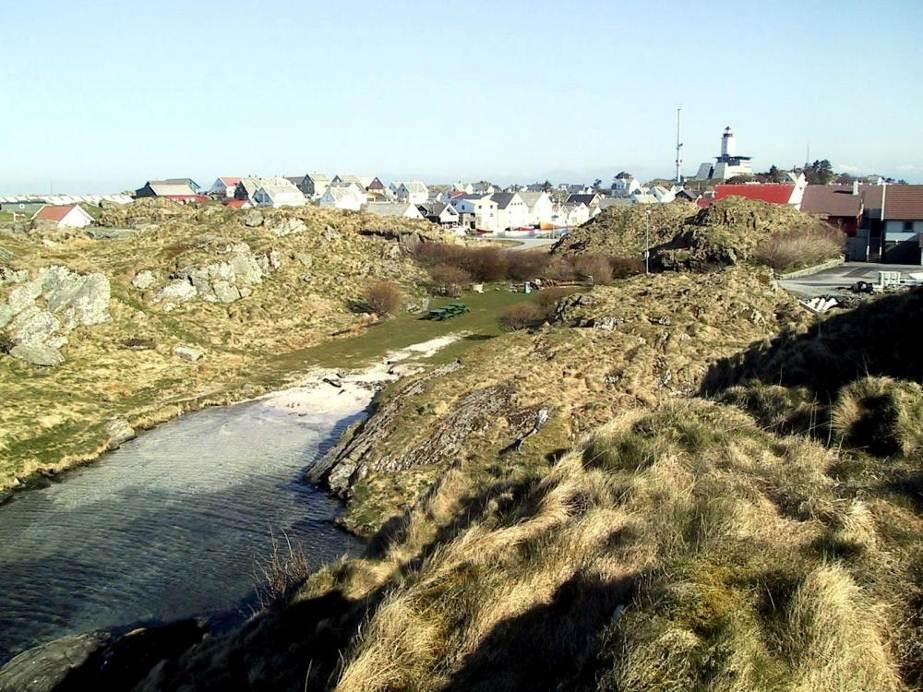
[[103, 95]]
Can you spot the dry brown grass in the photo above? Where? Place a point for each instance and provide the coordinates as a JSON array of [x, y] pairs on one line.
[[694, 568], [801, 248], [881, 415], [522, 316], [384, 297]]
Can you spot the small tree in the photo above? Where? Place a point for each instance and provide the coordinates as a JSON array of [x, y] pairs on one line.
[[522, 316], [384, 297]]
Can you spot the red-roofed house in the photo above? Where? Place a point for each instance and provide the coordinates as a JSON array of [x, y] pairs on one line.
[[774, 193], [223, 188], [238, 204], [69, 216]]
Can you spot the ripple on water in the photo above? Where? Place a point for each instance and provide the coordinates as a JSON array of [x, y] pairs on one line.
[[171, 525]]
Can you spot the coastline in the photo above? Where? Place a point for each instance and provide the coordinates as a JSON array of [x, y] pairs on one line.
[[297, 390]]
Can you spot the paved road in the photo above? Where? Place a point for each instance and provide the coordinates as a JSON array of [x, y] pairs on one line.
[[524, 243], [830, 281]]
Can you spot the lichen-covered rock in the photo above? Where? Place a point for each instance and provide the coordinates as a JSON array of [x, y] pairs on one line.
[[284, 227], [253, 218], [119, 432], [37, 354], [33, 326], [179, 290], [187, 353], [144, 280], [46, 667]]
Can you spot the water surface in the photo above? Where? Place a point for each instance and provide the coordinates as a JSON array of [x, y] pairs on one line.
[[171, 525]]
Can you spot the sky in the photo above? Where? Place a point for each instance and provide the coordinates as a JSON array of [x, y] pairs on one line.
[[101, 96]]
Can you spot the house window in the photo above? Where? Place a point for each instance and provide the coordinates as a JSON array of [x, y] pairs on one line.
[[908, 226]]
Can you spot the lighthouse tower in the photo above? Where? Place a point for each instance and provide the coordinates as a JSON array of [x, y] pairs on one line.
[[728, 148], [729, 164]]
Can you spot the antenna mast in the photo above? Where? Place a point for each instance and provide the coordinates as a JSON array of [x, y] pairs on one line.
[[679, 149]]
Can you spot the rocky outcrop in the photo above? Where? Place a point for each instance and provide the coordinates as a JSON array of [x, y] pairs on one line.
[[119, 432], [220, 282], [45, 668], [359, 451], [40, 313]]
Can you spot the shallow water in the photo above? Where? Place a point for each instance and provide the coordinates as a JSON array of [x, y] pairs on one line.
[[173, 524]]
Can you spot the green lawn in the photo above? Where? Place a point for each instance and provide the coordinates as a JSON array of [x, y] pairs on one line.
[[406, 329]]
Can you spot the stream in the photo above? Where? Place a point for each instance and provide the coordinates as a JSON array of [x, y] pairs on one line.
[[174, 523]]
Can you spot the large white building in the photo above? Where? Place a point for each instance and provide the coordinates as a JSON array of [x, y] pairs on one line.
[[540, 208], [482, 209], [278, 192], [729, 165]]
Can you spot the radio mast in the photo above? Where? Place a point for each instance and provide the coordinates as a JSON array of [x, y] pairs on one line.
[[679, 149]]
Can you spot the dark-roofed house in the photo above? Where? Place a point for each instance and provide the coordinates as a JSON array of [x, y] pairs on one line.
[[591, 200], [177, 189], [512, 211], [443, 214], [900, 215]]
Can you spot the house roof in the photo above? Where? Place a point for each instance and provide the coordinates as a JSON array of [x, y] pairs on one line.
[[279, 187], [503, 199], [582, 198], [296, 180], [236, 203], [229, 182], [171, 188], [50, 213], [318, 177], [530, 198], [338, 192], [774, 193], [832, 200], [904, 202], [387, 208], [436, 208], [415, 186]]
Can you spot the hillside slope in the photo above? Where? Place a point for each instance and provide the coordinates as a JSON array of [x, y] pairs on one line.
[[105, 317]]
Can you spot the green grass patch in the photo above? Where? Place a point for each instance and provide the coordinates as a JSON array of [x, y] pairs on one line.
[[404, 330]]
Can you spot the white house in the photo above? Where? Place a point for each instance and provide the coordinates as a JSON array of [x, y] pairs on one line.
[[69, 216], [401, 210], [278, 192], [223, 188], [539, 206], [483, 210], [342, 198], [625, 186], [512, 211], [729, 165], [570, 215], [412, 191], [315, 185]]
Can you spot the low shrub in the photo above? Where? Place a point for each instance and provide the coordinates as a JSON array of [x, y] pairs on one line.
[[596, 267], [447, 280], [623, 267], [522, 316], [527, 265], [384, 297], [801, 248]]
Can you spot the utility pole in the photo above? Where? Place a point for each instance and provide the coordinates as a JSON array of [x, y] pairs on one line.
[[679, 149]]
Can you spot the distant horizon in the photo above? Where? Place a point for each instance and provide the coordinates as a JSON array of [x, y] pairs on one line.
[[536, 91]]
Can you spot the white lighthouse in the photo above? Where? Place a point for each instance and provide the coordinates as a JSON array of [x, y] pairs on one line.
[[727, 143], [729, 164]]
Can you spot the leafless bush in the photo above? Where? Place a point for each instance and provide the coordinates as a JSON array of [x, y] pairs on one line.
[[384, 297], [522, 316], [283, 571], [802, 248], [559, 269], [447, 280], [595, 266], [623, 267], [527, 265]]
